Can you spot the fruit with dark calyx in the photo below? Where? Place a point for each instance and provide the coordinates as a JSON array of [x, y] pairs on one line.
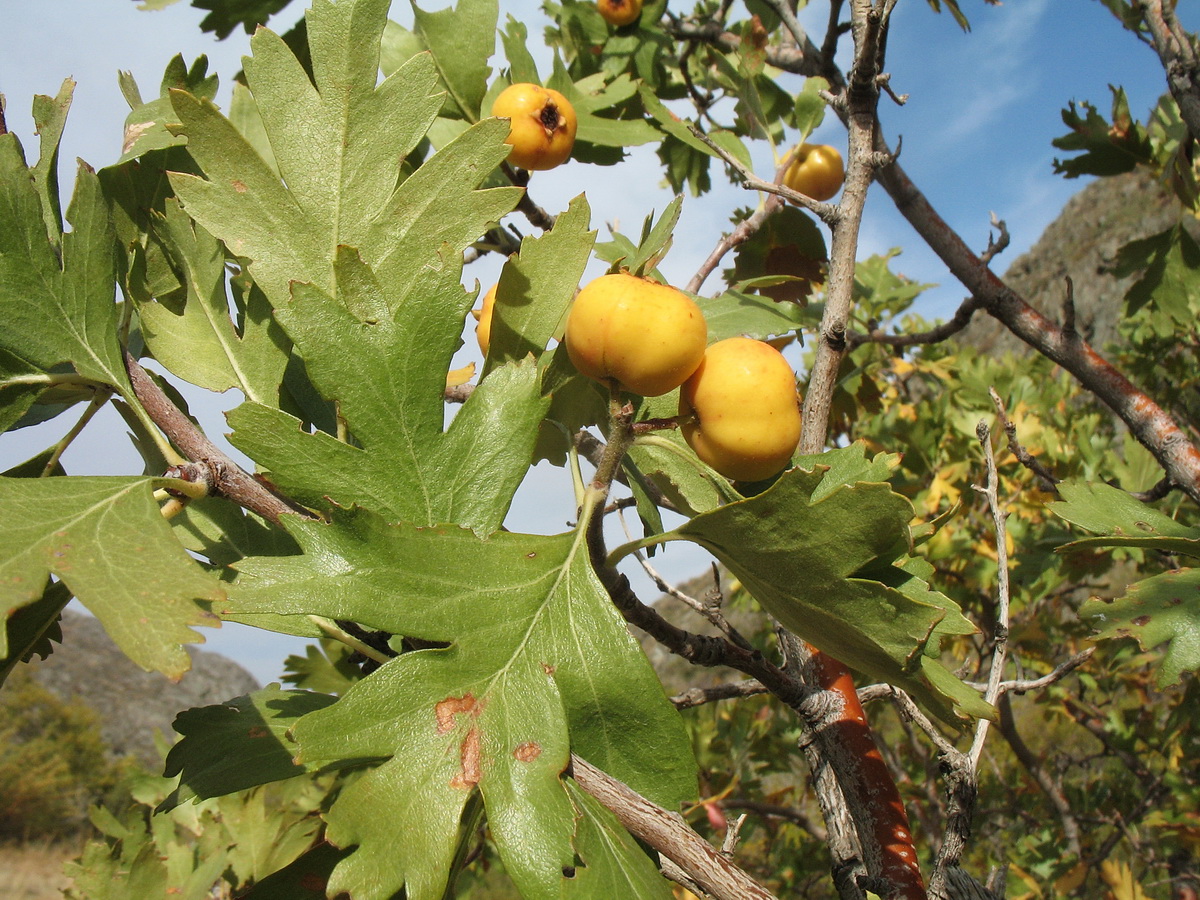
[[746, 410], [619, 12], [542, 125], [635, 334]]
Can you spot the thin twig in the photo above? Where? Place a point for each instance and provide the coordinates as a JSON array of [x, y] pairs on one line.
[[710, 611], [771, 810], [100, 397], [228, 478], [962, 318], [670, 835], [962, 777], [909, 710], [1057, 674], [1047, 478], [744, 230], [698, 696], [828, 212], [537, 216], [1160, 489]]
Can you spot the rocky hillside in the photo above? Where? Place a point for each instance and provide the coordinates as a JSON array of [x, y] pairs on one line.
[[1082, 244], [132, 703]]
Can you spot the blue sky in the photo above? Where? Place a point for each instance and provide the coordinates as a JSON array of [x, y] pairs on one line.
[[982, 110]]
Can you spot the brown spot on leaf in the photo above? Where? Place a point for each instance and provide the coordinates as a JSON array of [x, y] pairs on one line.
[[469, 756], [447, 709], [257, 732], [547, 668], [1142, 620], [531, 555], [528, 751], [239, 186]]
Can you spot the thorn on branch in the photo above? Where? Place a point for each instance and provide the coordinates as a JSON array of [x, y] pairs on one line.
[[732, 836], [998, 244], [1068, 326], [732, 690], [884, 82]]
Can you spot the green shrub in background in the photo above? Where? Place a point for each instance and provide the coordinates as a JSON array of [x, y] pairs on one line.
[[53, 763]]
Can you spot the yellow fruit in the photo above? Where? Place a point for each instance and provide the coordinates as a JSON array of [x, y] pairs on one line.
[[483, 331], [541, 125], [619, 12], [747, 412], [816, 170], [640, 335]]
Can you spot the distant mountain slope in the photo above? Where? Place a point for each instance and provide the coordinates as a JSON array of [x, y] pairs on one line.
[[1082, 243], [132, 703]]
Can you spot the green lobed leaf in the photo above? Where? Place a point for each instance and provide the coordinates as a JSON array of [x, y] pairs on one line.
[[222, 532], [521, 67], [69, 527], [822, 556], [16, 396], [1104, 147], [198, 341], [34, 628], [734, 313], [597, 94], [342, 172], [538, 664], [413, 231], [848, 465], [1120, 520], [810, 106], [388, 375], [325, 668], [225, 16], [1163, 610], [1168, 281], [537, 285], [237, 744], [244, 114], [684, 166], [50, 119], [146, 126], [681, 131], [272, 827], [673, 467], [397, 46], [461, 40], [666, 459], [54, 311]]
